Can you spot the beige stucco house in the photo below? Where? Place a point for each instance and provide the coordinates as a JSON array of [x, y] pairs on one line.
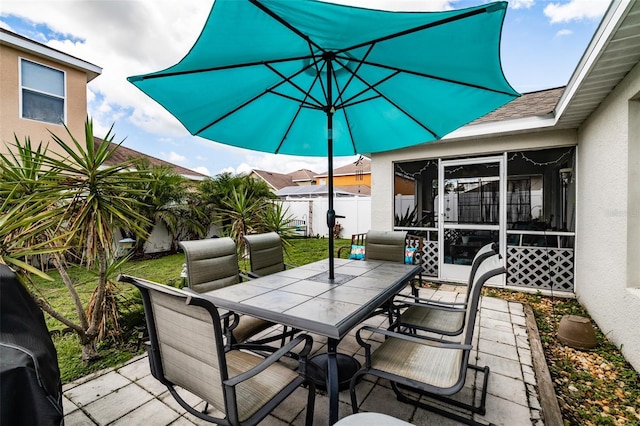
[[40, 89], [554, 177]]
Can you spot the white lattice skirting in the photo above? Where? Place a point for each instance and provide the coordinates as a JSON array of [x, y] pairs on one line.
[[543, 268]]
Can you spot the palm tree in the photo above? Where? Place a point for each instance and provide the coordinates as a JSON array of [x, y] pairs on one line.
[[227, 198], [163, 199]]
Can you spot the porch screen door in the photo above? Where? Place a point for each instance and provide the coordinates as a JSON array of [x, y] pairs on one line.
[[471, 213]]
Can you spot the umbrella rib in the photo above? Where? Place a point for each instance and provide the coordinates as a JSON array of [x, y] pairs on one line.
[[419, 74], [353, 74], [220, 68], [435, 77], [247, 102], [293, 120], [381, 95], [468, 14], [288, 80], [285, 23]]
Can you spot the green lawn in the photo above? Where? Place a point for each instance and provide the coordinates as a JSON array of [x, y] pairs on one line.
[[165, 270]]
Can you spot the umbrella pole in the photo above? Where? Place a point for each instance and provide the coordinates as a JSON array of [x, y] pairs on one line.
[[331, 214]]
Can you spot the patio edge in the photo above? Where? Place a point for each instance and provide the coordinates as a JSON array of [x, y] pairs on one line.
[[548, 400]]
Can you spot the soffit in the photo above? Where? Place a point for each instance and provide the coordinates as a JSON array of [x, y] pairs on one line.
[[612, 53]]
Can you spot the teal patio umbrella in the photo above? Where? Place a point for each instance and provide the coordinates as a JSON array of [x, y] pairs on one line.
[[311, 78]]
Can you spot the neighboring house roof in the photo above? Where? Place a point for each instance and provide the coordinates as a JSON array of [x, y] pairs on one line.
[[322, 191], [274, 180], [302, 175], [24, 44], [278, 181], [123, 154], [361, 165]]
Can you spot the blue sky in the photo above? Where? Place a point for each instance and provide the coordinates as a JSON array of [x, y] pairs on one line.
[[542, 42]]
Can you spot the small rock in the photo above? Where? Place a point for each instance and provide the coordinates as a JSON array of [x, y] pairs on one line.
[[573, 388]]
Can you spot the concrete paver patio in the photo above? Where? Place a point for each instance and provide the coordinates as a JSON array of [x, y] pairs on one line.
[[130, 395]]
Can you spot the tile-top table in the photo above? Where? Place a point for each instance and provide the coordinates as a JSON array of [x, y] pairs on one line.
[[304, 298]]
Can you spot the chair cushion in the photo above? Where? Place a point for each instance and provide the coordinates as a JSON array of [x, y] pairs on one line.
[[385, 245], [252, 394], [357, 252], [248, 326], [430, 365], [436, 319]]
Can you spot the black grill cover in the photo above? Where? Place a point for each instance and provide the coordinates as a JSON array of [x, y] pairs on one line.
[[30, 387]]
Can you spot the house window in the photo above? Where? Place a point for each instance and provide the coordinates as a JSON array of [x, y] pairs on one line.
[[42, 92]]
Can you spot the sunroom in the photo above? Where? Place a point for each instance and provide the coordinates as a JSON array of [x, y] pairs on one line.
[[524, 200]]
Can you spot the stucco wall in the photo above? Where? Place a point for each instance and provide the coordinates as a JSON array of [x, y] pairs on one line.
[[76, 102], [607, 278], [382, 177]]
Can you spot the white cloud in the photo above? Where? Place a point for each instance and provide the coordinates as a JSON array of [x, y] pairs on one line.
[[124, 38], [521, 4], [244, 168], [202, 169], [227, 170], [174, 157], [563, 33], [576, 10]]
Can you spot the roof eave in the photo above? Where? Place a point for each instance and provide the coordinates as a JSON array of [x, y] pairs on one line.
[[514, 126], [611, 22], [41, 50]]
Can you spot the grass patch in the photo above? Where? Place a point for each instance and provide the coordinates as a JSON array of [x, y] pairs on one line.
[[164, 270]]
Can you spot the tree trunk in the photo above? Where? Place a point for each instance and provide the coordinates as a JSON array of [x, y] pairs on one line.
[[89, 348]]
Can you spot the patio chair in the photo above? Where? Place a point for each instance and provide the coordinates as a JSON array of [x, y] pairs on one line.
[[385, 245], [266, 255], [186, 350], [436, 369], [436, 316], [414, 251], [357, 240], [213, 264]]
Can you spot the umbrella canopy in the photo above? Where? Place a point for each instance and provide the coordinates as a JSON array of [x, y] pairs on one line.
[[319, 79]]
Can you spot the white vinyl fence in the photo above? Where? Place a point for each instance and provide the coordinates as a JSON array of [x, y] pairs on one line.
[[356, 212]]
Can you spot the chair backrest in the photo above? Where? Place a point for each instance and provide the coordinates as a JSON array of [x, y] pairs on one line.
[[358, 239], [416, 242], [490, 267], [485, 252], [211, 263], [265, 253], [385, 245], [185, 334]]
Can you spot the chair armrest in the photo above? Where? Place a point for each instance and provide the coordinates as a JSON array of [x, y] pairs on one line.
[[342, 248], [284, 350], [407, 337], [415, 339], [248, 276], [408, 300]]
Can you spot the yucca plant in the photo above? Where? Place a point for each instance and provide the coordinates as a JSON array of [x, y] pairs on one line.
[[75, 199]]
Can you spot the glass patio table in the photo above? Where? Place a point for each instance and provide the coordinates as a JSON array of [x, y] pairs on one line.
[[303, 298]]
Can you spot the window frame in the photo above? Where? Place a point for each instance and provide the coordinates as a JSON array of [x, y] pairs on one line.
[[22, 88]]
